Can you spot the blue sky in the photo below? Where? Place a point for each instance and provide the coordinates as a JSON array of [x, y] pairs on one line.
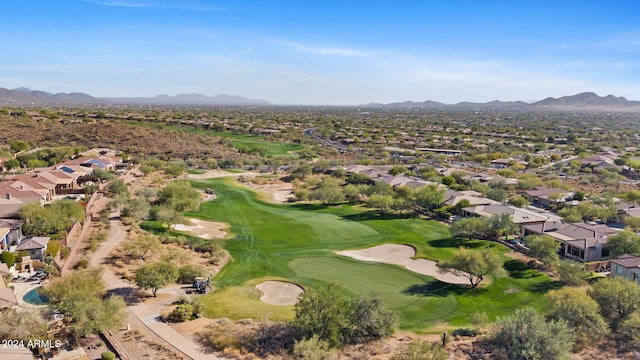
[[323, 52]]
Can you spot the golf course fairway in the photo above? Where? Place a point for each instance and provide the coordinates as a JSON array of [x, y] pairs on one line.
[[297, 243]]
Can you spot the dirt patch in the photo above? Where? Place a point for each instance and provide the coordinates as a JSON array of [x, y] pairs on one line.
[[403, 255], [203, 229], [279, 292], [277, 191]]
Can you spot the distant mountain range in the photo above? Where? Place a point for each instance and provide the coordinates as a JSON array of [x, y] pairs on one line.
[[587, 101], [24, 96]]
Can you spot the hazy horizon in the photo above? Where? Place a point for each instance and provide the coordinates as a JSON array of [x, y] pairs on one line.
[[329, 53]]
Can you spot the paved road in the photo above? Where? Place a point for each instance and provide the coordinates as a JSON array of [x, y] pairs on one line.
[[147, 314]]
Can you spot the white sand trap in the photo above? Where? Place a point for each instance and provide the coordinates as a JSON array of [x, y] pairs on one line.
[[203, 229], [402, 255], [279, 292]]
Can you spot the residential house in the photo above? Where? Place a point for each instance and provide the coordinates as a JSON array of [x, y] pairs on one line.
[[35, 246], [10, 233], [546, 197], [626, 209], [453, 197], [580, 241], [519, 216], [12, 200], [626, 266], [7, 297], [403, 180]]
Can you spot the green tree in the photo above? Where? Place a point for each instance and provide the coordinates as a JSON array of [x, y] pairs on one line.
[[519, 201], [56, 218], [632, 223], [176, 198], [380, 202], [632, 196], [581, 313], [143, 245], [370, 318], [19, 145], [501, 224], [12, 164], [351, 192], [470, 227], [572, 273], [323, 313], [474, 264], [624, 242], [8, 258], [496, 194], [155, 276], [81, 295], [570, 215], [543, 247], [617, 297], [187, 273], [340, 320], [103, 174], [527, 335], [328, 192], [117, 187], [430, 197]]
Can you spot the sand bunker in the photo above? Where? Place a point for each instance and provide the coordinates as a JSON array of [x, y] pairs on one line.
[[203, 229], [279, 292], [402, 255]]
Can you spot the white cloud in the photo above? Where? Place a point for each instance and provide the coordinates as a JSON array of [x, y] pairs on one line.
[[317, 50]]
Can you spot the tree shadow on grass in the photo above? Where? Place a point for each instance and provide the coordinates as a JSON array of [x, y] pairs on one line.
[[442, 289], [375, 215], [308, 206], [456, 242], [519, 270], [545, 287]]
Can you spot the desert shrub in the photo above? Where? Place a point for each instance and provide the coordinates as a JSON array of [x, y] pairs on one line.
[[313, 349], [301, 194], [65, 251], [220, 337], [187, 273], [422, 350], [527, 335], [630, 330], [82, 264], [108, 355], [181, 313], [339, 320], [52, 248]]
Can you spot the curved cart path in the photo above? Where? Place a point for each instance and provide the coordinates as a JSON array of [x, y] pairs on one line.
[[149, 315]]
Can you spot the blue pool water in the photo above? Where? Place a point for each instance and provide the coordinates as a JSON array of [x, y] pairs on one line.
[[34, 297]]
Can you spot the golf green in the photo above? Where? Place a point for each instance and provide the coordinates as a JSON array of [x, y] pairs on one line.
[[297, 243]]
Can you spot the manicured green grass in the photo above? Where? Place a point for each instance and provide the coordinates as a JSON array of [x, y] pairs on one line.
[[297, 242], [235, 171], [240, 302], [250, 142], [195, 171]]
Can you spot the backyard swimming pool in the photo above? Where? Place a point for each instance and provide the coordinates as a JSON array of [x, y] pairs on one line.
[[34, 297]]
